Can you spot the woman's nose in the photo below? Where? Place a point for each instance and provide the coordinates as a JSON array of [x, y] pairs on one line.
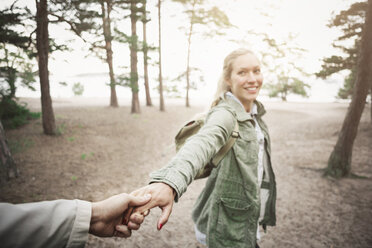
[[251, 78]]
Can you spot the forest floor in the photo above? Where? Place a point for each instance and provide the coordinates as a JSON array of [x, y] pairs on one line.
[[103, 151]]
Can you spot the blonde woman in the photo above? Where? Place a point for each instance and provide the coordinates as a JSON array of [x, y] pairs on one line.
[[240, 193]]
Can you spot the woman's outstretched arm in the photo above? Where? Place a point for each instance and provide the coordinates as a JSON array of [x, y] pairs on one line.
[[169, 183]]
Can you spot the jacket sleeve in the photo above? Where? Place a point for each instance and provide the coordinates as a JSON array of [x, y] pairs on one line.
[[197, 151], [60, 223]]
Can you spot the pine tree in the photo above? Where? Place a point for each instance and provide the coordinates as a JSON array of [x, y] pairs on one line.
[[339, 163]]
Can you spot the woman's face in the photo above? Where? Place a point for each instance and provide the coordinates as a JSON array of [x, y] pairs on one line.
[[246, 79]]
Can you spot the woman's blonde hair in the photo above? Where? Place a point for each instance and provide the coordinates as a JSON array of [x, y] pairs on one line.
[[222, 86]]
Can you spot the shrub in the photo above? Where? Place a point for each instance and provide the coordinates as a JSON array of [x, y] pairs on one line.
[[14, 114], [78, 89]]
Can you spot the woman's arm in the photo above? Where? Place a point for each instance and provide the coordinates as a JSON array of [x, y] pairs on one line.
[[170, 182], [198, 150]]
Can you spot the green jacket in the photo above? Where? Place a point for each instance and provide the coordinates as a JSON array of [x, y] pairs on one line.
[[227, 210]]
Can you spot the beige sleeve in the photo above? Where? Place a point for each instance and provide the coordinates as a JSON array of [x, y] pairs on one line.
[[60, 223]]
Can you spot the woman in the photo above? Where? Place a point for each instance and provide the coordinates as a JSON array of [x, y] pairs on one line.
[[240, 193]]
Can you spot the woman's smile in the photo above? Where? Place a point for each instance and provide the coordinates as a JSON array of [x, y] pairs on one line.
[[246, 79]]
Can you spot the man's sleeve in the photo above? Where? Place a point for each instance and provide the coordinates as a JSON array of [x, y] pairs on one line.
[[60, 223]]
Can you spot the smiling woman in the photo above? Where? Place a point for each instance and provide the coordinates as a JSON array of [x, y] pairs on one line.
[[246, 78], [240, 193]]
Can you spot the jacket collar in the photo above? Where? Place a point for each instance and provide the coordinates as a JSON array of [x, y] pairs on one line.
[[241, 114]]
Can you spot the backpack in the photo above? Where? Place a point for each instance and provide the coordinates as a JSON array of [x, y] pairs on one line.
[[191, 128]]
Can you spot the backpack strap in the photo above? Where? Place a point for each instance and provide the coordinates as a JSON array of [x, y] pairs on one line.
[[230, 142]]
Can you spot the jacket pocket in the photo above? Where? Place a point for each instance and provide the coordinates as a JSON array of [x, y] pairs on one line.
[[233, 219], [246, 148]]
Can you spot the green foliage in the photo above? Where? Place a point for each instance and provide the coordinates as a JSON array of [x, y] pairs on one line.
[[195, 75], [84, 156], [214, 19], [347, 90], [280, 59], [10, 20], [14, 62], [78, 89], [287, 85], [14, 115], [64, 84], [128, 80], [15, 67], [350, 22]]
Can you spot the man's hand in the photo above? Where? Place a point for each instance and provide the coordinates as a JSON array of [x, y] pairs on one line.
[[162, 196], [107, 215]]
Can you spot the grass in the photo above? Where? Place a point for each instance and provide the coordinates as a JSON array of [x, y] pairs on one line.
[[22, 145], [61, 129], [84, 156]]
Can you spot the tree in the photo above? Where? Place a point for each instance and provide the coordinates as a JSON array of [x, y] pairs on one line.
[[161, 104], [14, 62], [287, 85], [214, 18], [106, 8], [133, 46], [281, 60], [339, 163], [42, 43], [350, 21], [145, 49], [91, 21], [8, 168]]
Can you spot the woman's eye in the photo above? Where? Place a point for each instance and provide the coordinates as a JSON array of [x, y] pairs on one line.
[[257, 71], [241, 73]]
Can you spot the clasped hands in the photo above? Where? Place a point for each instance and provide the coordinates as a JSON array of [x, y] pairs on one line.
[[107, 215], [162, 196]]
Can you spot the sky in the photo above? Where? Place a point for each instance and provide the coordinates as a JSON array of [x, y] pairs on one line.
[[306, 19]]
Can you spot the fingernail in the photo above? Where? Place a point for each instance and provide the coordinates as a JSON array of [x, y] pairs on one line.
[[160, 226], [147, 196]]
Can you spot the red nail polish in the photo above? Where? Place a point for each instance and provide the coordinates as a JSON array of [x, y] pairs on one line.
[[160, 226]]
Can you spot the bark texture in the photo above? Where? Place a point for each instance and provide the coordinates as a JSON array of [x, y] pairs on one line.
[[133, 58], [106, 24], [8, 168], [188, 54], [339, 163], [161, 104], [145, 57], [42, 43]]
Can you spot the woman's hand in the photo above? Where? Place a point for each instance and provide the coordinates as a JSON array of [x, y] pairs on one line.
[[162, 196], [107, 215]]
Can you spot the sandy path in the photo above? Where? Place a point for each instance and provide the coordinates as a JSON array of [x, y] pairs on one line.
[[104, 151]]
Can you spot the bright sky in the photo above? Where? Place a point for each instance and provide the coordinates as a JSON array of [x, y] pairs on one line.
[[305, 18]]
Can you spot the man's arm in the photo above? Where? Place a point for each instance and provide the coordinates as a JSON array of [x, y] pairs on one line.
[[64, 223]]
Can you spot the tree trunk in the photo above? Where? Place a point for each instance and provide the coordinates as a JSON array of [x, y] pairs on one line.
[[42, 43], [188, 54], [106, 24], [145, 58], [161, 104], [370, 106], [339, 163], [8, 168], [133, 58]]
